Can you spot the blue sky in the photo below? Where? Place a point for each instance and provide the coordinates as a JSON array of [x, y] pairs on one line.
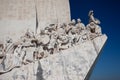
[[108, 12]]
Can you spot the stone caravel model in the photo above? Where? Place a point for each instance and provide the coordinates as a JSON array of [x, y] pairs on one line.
[[39, 42]]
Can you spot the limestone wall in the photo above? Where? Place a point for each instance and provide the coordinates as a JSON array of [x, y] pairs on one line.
[[52, 11], [18, 15], [15, 17]]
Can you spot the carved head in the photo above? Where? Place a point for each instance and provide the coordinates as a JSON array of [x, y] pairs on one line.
[[90, 13], [73, 22], [9, 40], [29, 33], [64, 24], [78, 20]]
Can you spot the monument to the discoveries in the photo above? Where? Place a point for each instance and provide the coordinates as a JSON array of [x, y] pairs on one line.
[[38, 41]]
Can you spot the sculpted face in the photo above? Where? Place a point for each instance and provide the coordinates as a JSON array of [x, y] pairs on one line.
[[90, 13], [79, 20]]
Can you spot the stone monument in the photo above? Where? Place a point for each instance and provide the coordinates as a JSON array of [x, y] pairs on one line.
[[38, 41]]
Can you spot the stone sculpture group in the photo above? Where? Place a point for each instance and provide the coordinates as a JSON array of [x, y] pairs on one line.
[[54, 38]]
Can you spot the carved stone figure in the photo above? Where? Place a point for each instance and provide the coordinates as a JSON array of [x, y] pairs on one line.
[[62, 42], [68, 28], [94, 30], [27, 55], [8, 44], [29, 34], [61, 30], [92, 19], [26, 40], [9, 62], [38, 53], [45, 39], [80, 26], [73, 22], [53, 43], [1, 50]]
